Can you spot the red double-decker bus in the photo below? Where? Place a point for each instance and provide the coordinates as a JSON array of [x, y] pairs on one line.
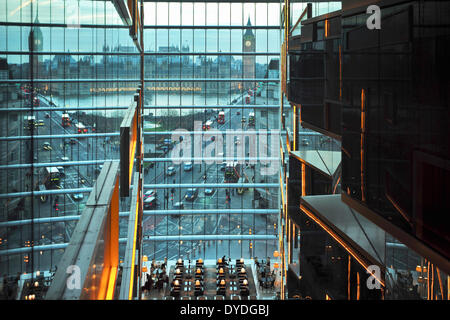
[[221, 118], [81, 128], [66, 120], [207, 125]]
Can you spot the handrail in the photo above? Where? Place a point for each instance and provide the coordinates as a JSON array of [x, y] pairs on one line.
[[305, 11]]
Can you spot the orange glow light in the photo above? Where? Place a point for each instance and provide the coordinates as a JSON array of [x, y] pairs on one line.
[[130, 293], [111, 283], [358, 286], [303, 179], [363, 133]]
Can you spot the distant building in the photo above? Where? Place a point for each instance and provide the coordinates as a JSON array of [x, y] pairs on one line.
[[273, 72], [10, 125], [248, 45], [35, 45]]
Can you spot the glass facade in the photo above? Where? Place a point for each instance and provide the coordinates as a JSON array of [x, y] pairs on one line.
[[211, 75], [270, 129], [382, 146], [69, 70]]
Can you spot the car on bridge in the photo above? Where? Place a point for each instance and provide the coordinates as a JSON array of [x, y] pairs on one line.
[[150, 193], [150, 203], [170, 171], [191, 194], [178, 206], [187, 166], [47, 146], [77, 196]]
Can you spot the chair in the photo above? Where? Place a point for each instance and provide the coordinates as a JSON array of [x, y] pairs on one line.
[[198, 292], [202, 298], [272, 284], [235, 297], [186, 298], [219, 297], [241, 280], [221, 291], [199, 277], [175, 293], [220, 277], [244, 292], [253, 298]]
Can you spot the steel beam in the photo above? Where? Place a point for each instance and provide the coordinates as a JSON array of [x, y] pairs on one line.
[[73, 80], [211, 185], [93, 162], [15, 223], [59, 246], [147, 186], [37, 109]]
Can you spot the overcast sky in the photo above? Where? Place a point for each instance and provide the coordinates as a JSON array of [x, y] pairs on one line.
[[75, 12]]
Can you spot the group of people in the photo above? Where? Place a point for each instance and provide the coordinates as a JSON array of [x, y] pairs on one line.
[[266, 278], [157, 277], [9, 287]]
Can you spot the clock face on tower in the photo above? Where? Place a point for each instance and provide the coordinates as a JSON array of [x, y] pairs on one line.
[[248, 43]]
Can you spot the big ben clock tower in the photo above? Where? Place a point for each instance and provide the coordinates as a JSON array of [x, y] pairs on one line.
[[35, 44], [248, 44]]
